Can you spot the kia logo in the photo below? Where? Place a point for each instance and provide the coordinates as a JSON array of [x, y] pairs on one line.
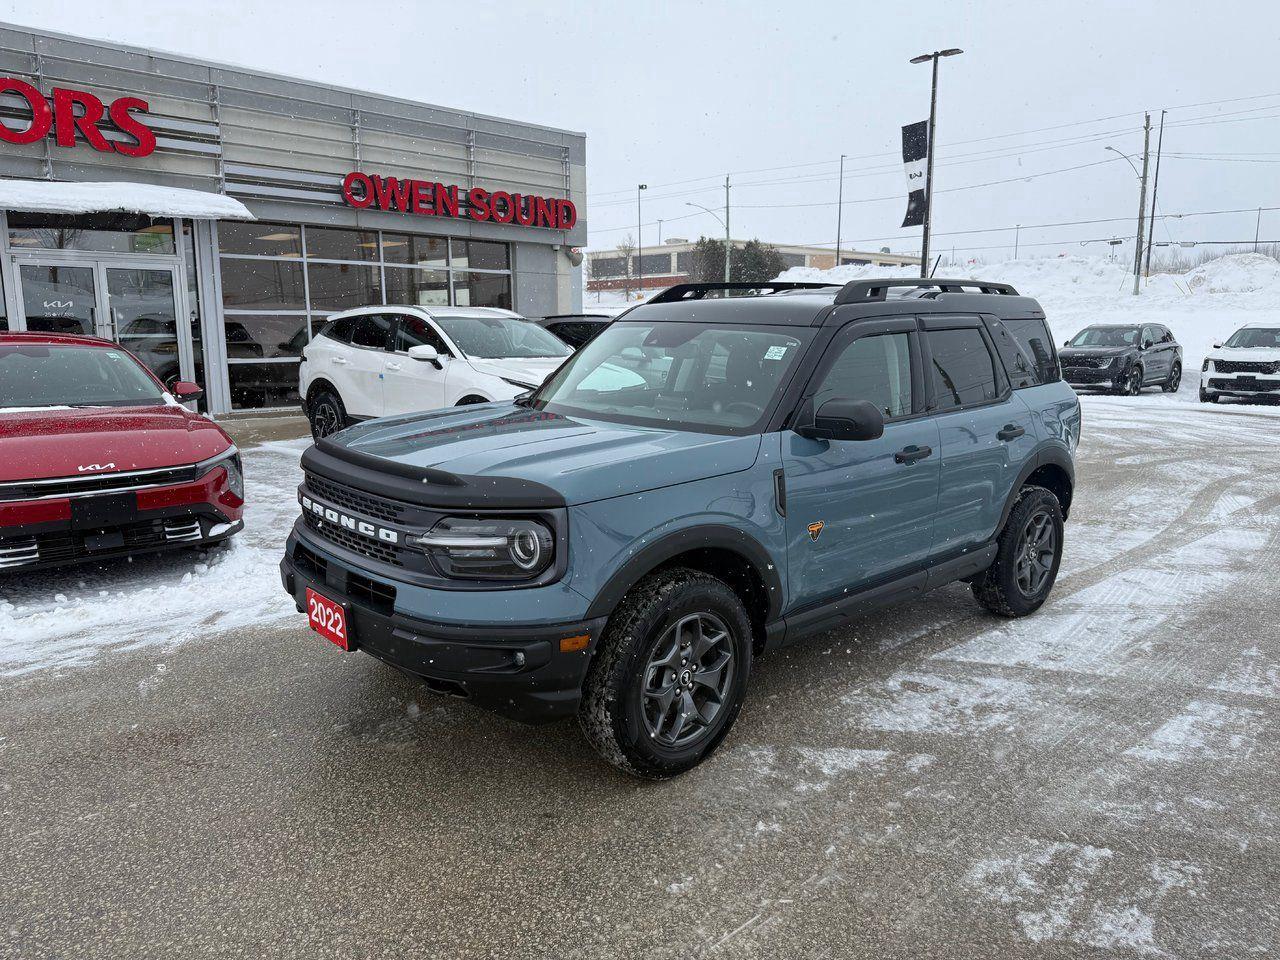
[[59, 304], [96, 466]]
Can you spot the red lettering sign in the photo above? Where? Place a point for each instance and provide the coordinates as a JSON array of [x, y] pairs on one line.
[[76, 115], [427, 198]]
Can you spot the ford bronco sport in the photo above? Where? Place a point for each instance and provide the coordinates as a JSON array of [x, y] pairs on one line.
[[709, 479]]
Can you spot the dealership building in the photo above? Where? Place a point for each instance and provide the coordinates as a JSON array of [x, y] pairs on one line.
[[210, 218]]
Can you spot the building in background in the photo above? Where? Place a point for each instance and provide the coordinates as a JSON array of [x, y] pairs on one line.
[[210, 218], [670, 262]]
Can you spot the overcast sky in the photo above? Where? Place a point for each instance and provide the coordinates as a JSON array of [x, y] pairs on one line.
[[676, 95]]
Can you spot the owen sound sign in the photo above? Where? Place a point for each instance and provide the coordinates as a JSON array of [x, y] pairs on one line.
[[428, 198]]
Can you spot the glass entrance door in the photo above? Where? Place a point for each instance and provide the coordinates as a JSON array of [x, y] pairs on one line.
[[143, 316], [58, 298], [135, 305]]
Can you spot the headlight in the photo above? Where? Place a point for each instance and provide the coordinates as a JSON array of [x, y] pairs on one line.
[[235, 475], [488, 548], [1204, 367], [520, 383]]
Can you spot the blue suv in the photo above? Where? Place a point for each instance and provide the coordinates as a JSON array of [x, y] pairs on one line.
[[723, 471]]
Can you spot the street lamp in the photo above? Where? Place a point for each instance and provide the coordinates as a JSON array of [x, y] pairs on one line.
[[724, 222], [1142, 199], [640, 241], [1127, 160], [933, 119]]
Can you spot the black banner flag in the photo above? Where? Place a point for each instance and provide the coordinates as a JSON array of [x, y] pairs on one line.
[[915, 148]]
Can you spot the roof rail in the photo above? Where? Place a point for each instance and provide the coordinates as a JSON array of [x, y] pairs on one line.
[[697, 291], [867, 291]]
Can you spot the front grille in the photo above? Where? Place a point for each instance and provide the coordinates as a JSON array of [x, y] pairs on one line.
[[97, 483], [380, 597], [62, 545], [1088, 363], [355, 500], [1244, 383], [1246, 366], [356, 543]]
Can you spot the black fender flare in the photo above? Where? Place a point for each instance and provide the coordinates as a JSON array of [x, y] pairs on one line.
[[715, 536], [1050, 455]]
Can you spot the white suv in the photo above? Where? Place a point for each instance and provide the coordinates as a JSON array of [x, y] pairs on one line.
[[382, 361], [1247, 365]]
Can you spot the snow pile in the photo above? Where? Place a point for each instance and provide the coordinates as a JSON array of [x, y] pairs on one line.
[[67, 616], [49, 196], [1202, 307]]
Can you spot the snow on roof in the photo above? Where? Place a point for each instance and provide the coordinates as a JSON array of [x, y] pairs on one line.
[[50, 196]]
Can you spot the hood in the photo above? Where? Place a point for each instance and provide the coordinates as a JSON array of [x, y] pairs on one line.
[[582, 460], [42, 443], [525, 369], [1095, 351], [1263, 354]]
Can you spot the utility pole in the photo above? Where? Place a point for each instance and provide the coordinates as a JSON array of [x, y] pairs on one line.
[[839, 210], [660, 227], [1142, 205], [1257, 227], [728, 244], [1017, 229], [1155, 189], [933, 123], [640, 188]]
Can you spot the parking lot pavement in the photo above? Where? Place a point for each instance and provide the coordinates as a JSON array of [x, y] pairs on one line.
[[1099, 779]]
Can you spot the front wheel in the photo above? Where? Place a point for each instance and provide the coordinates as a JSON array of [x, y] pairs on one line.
[[1175, 379], [669, 676], [1133, 384], [1028, 554]]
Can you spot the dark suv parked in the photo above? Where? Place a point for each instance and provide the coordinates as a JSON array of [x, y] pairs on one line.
[[709, 479], [1123, 357]]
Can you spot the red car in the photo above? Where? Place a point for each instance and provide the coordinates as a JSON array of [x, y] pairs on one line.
[[98, 460]]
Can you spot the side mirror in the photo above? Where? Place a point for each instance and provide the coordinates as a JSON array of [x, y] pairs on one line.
[[845, 420], [1066, 343], [1147, 344], [186, 391], [1217, 346], [427, 353]]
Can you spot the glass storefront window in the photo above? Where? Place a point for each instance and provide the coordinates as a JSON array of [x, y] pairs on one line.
[[482, 290], [262, 285], [99, 233], [260, 239], [263, 385], [420, 251], [193, 308], [258, 336], [4, 311], [408, 285], [324, 243], [480, 255], [341, 286]]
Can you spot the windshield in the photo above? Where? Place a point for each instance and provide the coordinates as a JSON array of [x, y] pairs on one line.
[[495, 337], [52, 375], [1266, 337], [689, 376], [1106, 337]]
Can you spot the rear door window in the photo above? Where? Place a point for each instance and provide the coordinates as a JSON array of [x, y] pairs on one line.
[[961, 368], [371, 330]]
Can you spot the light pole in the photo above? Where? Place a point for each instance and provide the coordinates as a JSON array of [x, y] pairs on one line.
[[723, 221], [933, 122], [640, 188], [1142, 201], [839, 210]]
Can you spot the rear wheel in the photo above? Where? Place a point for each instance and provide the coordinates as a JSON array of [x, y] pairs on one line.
[[1175, 379], [669, 676], [1028, 553], [327, 414]]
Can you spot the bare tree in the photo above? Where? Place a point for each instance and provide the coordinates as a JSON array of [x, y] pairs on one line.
[[627, 247]]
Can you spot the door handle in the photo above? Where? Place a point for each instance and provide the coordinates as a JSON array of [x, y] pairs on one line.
[[393, 366], [338, 360], [1010, 431], [912, 453]]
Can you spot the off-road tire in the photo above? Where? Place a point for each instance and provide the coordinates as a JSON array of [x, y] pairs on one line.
[[326, 414], [1175, 379], [611, 709], [997, 587]]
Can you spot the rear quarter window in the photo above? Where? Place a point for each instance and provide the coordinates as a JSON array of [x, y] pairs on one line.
[[1026, 349]]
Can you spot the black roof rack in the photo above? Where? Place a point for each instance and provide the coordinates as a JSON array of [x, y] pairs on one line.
[[697, 291], [868, 291]]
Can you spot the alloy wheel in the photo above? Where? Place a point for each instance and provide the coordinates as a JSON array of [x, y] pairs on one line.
[[1135, 382], [325, 419], [687, 680], [1175, 379], [1037, 546]]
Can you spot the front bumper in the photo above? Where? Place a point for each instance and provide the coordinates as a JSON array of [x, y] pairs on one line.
[[1240, 385], [514, 670], [1110, 376], [56, 530]]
